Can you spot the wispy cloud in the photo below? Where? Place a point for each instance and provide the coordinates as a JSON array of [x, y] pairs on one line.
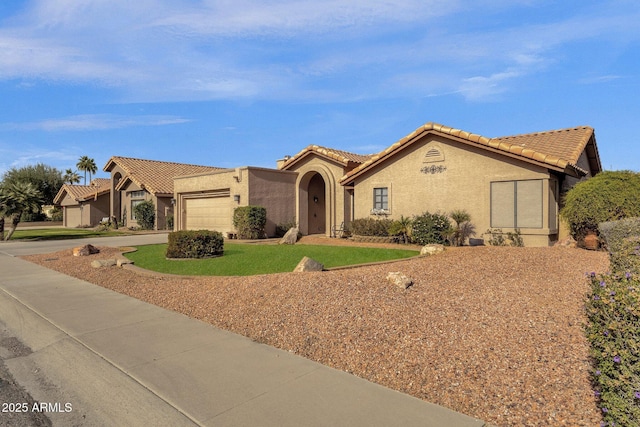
[[94, 122], [162, 50]]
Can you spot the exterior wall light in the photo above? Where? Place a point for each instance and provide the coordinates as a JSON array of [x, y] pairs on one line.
[[236, 198]]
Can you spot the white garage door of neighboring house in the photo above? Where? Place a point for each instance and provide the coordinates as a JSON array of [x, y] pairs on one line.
[[209, 213]]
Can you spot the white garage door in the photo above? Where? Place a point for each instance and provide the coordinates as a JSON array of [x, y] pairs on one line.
[[209, 213]]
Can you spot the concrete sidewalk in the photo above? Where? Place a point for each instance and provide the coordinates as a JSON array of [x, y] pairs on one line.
[[114, 360]]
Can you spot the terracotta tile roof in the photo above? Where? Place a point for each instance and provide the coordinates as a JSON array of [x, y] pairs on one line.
[[340, 156], [557, 149], [152, 175], [81, 193]]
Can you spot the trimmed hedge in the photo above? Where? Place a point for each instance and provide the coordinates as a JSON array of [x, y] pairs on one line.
[[195, 244], [622, 239], [250, 222], [370, 227], [608, 196]]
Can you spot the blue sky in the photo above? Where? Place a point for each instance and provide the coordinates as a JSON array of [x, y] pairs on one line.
[[233, 83]]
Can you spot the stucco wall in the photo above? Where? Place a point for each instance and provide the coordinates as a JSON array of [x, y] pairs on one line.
[[336, 199], [461, 180], [275, 190], [270, 188]]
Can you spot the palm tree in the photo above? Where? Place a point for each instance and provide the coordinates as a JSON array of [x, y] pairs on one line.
[[15, 199], [87, 164], [71, 177]]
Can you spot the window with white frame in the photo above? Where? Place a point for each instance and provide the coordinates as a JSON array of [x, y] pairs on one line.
[[517, 204], [137, 197], [381, 198]]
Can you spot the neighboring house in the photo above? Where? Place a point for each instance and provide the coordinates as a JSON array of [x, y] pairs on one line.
[[207, 201], [510, 183], [84, 205], [135, 180]]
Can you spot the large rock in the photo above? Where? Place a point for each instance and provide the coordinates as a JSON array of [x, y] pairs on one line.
[[85, 250], [99, 263], [431, 249], [291, 237], [568, 242], [308, 264], [399, 279]]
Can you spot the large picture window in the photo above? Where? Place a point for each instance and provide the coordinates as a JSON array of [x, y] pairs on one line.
[[381, 198], [516, 204]]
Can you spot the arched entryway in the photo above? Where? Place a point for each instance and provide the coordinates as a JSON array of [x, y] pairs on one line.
[[313, 203], [316, 202]]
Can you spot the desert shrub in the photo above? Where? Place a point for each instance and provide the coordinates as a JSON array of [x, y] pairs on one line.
[[462, 229], [430, 228], [145, 214], [401, 228], [613, 310], [195, 244], [608, 196], [56, 214], [496, 237], [622, 240], [370, 227], [250, 221], [282, 228]]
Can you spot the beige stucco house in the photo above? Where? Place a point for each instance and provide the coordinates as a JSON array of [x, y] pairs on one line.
[[84, 205], [136, 180], [507, 183], [207, 201]]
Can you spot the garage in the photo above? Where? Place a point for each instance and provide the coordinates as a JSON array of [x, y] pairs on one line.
[[208, 212], [72, 216]]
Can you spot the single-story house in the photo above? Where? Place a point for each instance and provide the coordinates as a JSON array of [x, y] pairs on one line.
[[84, 205], [134, 181], [512, 182], [207, 201]]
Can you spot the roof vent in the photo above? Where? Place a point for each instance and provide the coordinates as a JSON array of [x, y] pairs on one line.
[[434, 154]]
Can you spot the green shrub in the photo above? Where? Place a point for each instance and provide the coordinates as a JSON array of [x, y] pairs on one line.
[[430, 228], [56, 214], [613, 310], [608, 196], [250, 221], [370, 227], [622, 240], [281, 229], [145, 214], [195, 244], [498, 238], [401, 228]]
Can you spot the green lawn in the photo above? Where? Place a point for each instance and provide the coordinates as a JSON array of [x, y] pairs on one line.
[[59, 233], [248, 259]]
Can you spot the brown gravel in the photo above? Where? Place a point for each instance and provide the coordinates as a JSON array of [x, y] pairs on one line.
[[492, 332]]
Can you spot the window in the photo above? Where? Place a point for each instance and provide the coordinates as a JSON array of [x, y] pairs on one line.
[[516, 204], [381, 198], [137, 197]]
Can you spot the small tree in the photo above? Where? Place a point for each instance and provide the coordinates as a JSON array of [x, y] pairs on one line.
[[463, 228], [17, 198], [145, 214]]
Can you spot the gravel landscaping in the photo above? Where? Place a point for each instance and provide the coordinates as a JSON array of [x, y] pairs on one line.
[[492, 332]]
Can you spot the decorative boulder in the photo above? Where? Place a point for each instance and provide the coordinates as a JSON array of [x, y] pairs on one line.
[[291, 237], [431, 249], [568, 242], [399, 279], [85, 250], [99, 263], [308, 264]]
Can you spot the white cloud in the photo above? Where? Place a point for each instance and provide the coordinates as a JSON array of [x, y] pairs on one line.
[[94, 122]]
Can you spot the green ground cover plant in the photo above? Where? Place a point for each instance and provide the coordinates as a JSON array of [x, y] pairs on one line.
[[195, 244], [613, 310], [241, 259]]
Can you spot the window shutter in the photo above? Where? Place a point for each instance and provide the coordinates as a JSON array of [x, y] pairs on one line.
[[529, 204], [502, 204]]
